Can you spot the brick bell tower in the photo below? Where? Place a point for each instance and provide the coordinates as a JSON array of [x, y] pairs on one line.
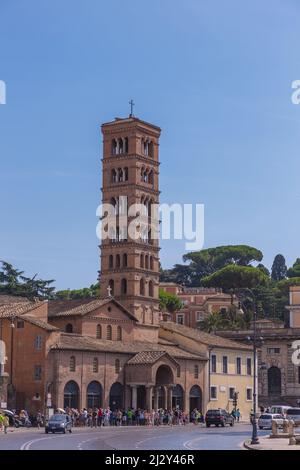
[[130, 265]]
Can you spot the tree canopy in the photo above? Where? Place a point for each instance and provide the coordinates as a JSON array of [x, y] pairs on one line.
[[279, 268], [169, 302], [236, 277]]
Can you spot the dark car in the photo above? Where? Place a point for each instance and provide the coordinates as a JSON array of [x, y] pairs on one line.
[[59, 423], [218, 418]]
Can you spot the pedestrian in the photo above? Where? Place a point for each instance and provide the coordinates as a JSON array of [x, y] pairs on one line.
[[238, 415], [5, 423]]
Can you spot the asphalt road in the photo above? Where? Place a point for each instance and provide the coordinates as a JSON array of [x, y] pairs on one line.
[[188, 437]]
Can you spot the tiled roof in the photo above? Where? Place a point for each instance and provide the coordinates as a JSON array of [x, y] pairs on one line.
[[86, 307], [11, 299], [33, 320], [203, 337], [146, 357], [84, 343], [59, 306], [19, 308]]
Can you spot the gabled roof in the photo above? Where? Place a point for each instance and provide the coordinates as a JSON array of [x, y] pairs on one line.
[[76, 342], [87, 307], [203, 337], [146, 357]]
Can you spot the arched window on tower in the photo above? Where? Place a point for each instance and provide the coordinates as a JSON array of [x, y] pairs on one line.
[[123, 286], [146, 262], [119, 333], [114, 147], [150, 177], [126, 173], [111, 262], [120, 175], [109, 332], [98, 331], [151, 263], [124, 260], [113, 175], [150, 149], [151, 289], [142, 287], [118, 263], [121, 146], [126, 145], [142, 260], [111, 286]]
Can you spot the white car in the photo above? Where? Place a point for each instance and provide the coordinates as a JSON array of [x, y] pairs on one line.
[[294, 414], [265, 420]]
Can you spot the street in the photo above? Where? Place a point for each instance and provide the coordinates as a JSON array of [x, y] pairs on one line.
[[188, 437]]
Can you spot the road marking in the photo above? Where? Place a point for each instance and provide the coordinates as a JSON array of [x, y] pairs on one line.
[[188, 444], [28, 444], [137, 444]]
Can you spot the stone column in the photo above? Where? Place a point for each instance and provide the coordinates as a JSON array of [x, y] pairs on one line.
[[155, 398], [149, 398], [134, 397], [165, 398], [170, 391]]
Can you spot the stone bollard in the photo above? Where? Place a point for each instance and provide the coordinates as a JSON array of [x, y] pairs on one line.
[[292, 441], [291, 428], [274, 428], [285, 426]]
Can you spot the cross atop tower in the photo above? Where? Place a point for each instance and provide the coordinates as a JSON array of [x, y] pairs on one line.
[[132, 104]]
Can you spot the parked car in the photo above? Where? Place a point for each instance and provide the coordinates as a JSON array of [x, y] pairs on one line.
[[265, 420], [218, 417], [294, 414], [59, 423], [279, 409]]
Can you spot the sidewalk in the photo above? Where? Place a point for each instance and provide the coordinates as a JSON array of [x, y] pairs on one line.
[[265, 443]]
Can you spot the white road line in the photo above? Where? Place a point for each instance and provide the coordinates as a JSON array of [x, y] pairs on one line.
[[28, 444], [188, 444], [137, 444]]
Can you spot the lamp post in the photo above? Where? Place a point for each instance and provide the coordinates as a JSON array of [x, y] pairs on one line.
[[12, 327], [254, 438]]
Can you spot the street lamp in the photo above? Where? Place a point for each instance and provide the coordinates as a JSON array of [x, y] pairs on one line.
[[254, 438], [12, 327]]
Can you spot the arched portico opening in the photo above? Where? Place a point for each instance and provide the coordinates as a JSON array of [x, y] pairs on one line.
[[195, 398], [71, 395], [94, 395], [177, 397], [116, 396]]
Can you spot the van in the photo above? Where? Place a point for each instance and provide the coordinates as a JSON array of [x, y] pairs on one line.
[[294, 414], [279, 409]]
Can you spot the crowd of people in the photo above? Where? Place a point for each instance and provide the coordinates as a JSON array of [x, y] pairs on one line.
[[98, 417]]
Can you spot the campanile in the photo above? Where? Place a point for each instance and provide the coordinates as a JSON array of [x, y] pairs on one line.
[[130, 265]]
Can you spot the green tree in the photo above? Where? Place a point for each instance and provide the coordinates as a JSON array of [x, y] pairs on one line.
[[295, 270], [13, 282], [169, 302], [279, 268], [236, 277]]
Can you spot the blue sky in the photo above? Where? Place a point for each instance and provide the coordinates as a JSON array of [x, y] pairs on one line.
[[215, 75]]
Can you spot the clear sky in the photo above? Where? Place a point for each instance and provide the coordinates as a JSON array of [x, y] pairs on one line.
[[215, 75]]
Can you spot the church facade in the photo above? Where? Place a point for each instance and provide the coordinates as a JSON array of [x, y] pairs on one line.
[[115, 350]]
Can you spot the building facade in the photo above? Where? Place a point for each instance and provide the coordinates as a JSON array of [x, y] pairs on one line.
[[278, 363], [198, 303]]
